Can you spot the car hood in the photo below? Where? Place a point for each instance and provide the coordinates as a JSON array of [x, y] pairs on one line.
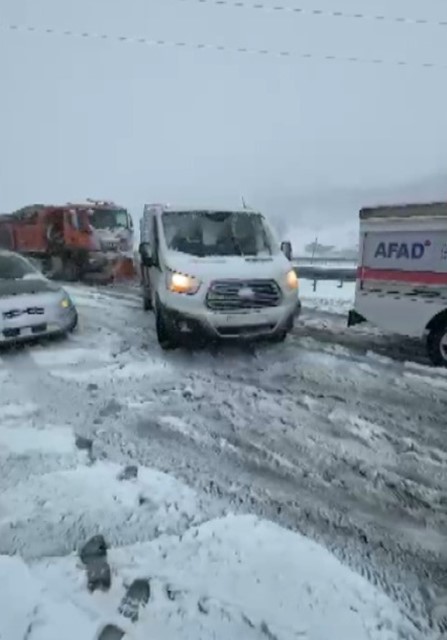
[[239, 267], [26, 287]]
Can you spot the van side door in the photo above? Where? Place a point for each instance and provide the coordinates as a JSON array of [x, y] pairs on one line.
[[156, 269]]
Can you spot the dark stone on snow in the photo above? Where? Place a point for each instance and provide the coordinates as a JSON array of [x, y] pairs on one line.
[[172, 593], [85, 444], [92, 387], [203, 606], [110, 632], [99, 575], [111, 408], [136, 597], [129, 473], [94, 549]]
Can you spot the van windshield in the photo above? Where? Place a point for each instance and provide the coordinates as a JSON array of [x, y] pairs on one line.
[[217, 233]]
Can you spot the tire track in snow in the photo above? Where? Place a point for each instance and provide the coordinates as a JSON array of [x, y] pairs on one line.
[[265, 434]]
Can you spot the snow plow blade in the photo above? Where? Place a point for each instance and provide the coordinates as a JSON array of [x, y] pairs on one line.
[[118, 269]]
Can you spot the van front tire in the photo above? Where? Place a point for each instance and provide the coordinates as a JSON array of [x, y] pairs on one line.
[[167, 335], [279, 337], [147, 302], [437, 345]]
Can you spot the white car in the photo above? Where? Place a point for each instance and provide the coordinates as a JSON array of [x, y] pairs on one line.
[[31, 306], [215, 273]]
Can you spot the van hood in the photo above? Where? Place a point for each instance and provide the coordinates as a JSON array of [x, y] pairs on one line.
[[216, 267]]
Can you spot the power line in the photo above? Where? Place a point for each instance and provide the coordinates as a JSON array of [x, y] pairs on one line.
[[302, 11], [124, 39]]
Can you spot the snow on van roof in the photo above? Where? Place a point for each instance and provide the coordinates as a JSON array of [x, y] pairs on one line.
[[201, 209], [419, 210]]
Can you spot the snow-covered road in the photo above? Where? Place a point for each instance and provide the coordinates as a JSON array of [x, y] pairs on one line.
[[338, 434]]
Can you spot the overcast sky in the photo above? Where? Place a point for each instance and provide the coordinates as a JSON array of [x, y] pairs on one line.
[[85, 117]]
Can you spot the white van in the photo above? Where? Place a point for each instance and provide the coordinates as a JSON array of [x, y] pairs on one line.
[[402, 275], [215, 273]]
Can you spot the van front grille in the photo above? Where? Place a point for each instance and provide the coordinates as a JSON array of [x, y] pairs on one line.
[[240, 295]]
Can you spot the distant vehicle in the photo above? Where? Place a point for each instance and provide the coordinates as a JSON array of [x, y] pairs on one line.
[[73, 241], [31, 306], [402, 275], [114, 229], [215, 273]]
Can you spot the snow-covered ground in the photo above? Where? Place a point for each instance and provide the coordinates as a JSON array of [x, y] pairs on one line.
[[331, 296], [292, 491], [223, 577]]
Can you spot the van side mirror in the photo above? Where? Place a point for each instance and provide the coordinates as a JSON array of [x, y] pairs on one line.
[[145, 251], [130, 222], [286, 248]]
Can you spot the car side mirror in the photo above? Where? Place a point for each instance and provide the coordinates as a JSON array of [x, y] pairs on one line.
[[286, 248], [145, 251]]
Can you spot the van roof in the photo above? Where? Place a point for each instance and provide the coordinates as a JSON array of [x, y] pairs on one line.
[[421, 210], [202, 209]]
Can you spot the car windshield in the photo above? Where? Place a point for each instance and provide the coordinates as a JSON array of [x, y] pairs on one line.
[[110, 218], [217, 233], [15, 268]]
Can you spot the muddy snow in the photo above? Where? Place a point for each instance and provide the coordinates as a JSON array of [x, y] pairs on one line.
[[293, 491]]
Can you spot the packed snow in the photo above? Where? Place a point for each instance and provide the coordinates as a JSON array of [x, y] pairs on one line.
[[265, 492], [230, 576], [327, 295]]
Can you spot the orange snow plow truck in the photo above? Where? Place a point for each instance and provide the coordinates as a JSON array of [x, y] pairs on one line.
[[91, 242]]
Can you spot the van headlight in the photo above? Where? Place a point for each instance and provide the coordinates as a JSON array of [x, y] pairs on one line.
[[181, 283], [292, 281]]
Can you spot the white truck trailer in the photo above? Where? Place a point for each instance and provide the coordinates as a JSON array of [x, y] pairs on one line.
[[402, 276]]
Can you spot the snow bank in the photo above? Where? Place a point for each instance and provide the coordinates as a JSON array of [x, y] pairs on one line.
[[29, 611], [53, 513], [29, 440], [234, 577], [329, 296]]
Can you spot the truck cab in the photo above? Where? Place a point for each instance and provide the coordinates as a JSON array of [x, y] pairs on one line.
[[217, 273]]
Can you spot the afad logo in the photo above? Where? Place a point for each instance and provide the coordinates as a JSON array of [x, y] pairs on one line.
[[402, 250]]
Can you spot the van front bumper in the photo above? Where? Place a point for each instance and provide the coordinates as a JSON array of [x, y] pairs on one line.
[[247, 325]]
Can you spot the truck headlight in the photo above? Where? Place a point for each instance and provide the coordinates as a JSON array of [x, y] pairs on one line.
[[181, 283], [292, 280]]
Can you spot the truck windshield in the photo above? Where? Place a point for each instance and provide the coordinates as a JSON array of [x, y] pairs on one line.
[[110, 219], [217, 233], [14, 267]]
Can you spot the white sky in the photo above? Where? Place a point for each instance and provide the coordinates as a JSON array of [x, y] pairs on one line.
[[82, 117]]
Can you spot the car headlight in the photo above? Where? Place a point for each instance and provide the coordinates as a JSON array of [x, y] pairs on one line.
[[66, 302], [292, 280], [181, 283]]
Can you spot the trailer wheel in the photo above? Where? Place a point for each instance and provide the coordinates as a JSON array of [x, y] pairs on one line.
[[437, 345]]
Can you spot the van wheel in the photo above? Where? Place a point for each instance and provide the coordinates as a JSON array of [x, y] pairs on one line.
[[437, 345], [166, 334], [279, 337], [147, 302]]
